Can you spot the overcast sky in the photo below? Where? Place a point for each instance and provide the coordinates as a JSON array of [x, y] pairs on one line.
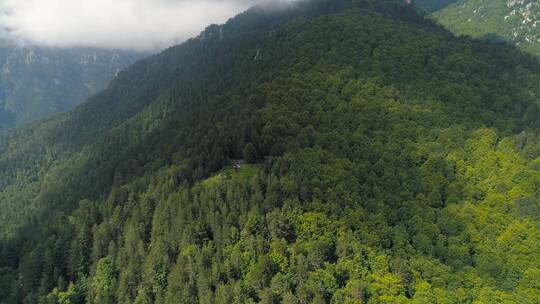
[[146, 25]]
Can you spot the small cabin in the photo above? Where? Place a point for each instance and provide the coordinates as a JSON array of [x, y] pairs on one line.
[[237, 164]]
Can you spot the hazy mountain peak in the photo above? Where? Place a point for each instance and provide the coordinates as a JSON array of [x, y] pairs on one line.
[[36, 82]]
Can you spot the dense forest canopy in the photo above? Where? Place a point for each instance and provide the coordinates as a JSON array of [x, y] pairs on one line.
[[377, 159]]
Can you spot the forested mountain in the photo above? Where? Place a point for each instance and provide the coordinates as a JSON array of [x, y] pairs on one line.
[[387, 162], [513, 21], [36, 82]]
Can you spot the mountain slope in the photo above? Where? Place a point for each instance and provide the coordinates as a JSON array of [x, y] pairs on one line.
[[434, 5], [396, 164], [514, 21], [38, 82]]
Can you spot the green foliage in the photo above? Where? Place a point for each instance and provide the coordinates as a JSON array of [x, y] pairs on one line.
[[103, 281], [399, 165], [497, 21], [434, 5], [250, 153]]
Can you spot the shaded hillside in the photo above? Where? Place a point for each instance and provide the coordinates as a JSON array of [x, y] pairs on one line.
[[434, 5], [39, 82]]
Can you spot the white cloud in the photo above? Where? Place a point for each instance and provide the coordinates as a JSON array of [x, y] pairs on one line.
[[129, 24]]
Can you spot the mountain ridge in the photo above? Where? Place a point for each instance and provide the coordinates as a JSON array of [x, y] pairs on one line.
[[434, 5]]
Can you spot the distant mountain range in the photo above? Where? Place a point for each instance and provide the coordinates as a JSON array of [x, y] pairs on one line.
[[38, 82], [434, 5], [513, 21]]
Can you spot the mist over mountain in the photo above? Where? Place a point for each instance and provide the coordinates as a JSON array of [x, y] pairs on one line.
[[140, 25], [323, 151]]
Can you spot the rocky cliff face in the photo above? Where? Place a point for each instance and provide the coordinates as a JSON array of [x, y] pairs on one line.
[[514, 21], [524, 16]]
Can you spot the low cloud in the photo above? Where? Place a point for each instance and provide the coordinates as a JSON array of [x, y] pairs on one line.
[[143, 25]]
